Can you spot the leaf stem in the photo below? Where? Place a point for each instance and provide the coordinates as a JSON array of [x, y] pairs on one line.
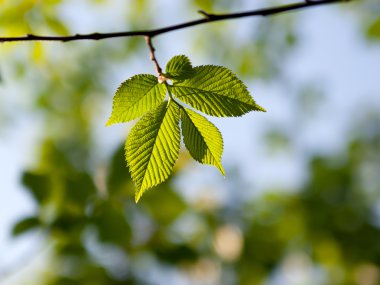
[[170, 93], [171, 97]]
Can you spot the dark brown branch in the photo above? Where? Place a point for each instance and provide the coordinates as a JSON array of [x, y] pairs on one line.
[[208, 18]]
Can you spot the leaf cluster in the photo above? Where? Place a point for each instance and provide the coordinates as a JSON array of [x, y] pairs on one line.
[[153, 145]]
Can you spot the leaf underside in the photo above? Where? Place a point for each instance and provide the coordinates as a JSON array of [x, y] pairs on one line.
[[136, 96], [202, 139], [153, 146], [215, 91]]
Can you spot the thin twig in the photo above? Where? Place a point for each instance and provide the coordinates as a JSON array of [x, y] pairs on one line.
[[154, 32], [148, 40]]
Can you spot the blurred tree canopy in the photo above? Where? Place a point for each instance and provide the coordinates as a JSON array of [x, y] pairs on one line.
[[94, 233]]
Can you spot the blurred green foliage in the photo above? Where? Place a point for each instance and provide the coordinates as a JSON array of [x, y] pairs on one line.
[[328, 228], [374, 29], [330, 224]]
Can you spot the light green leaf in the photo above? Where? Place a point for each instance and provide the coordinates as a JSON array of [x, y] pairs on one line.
[[216, 91], [135, 97], [202, 139], [153, 146], [179, 68]]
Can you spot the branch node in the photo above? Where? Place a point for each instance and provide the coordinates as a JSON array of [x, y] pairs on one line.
[[208, 16], [162, 78]]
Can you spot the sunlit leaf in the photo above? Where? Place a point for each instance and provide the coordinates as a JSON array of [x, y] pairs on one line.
[[135, 97], [179, 68], [202, 139], [153, 146], [216, 91]]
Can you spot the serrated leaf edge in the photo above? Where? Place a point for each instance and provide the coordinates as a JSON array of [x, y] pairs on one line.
[[110, 121], [140, 190], [218, 165], [252, 106]]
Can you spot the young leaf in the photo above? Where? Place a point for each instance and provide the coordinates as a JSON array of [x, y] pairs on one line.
[[153, 146], [202, 139], [136, 96], [179, 68], [216, 91]]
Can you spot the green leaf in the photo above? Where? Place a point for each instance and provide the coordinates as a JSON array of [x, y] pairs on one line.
[[25, 225], [38, 185], [179, 68], [136, 96], [216, 91], [153, 146], [202, 139]]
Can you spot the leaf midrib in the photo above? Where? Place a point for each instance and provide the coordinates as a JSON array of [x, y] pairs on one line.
[[154, 147], [151, 153], [210, 92], [145, 94], [197, 130]]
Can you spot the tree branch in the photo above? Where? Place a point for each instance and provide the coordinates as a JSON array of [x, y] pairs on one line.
[[208, 18]]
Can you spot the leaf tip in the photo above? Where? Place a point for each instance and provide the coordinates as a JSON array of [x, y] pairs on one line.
[[260, 109], [138, 195], [221, 169], [109, 122]]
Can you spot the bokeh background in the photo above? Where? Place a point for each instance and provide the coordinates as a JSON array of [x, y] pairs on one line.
[[300, 201]]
